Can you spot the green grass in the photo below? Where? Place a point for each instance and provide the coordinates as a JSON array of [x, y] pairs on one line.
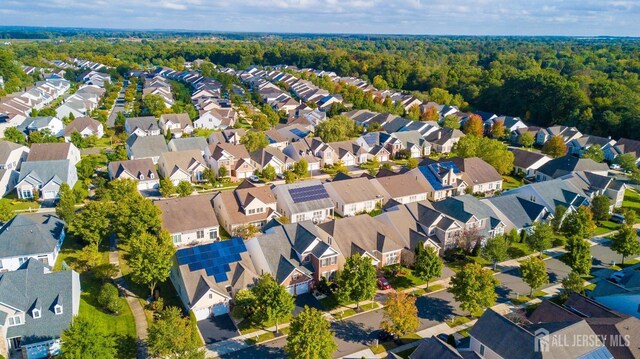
[[631, 200], [520, 299], [330, 302], [432, 288], [517, 250], [629, 262], [457, 321], [511, 182], [464, 332], [248, 326], [352, 311], [606, 227], [539, 293], [590, 286], [386, 346], [16, 204], [266, 336], [404, 280]]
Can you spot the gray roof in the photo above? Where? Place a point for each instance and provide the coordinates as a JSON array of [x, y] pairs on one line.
[[33, 286], [45, 171], [6, 148], [280, 254], [146, 146], [188, 143], [433, 347], [30, 234], [519, 211], [524, 158], [148, 123], [282, 194], [552, 193], [463, 207], [567, 164], [35, 122]]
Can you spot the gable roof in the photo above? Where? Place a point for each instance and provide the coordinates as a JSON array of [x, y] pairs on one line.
[[148, 123], [362, 233], [80, 124], [566, 164], [6, 148], [476, 170], [188, 143], [146, 146], [34, 286], [283, 194], [354, 190], [30, 234], [401, 185], [183, 214], [45, 171], [279, 253], [141, 167], [49, 151], [526, 159]]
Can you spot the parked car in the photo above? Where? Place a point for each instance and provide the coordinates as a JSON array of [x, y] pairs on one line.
[[254, 179], [615, 166], [383, 283], [616, 277], [617, 218], [281, 176]]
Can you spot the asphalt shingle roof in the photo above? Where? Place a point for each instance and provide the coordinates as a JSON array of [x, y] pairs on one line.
[[30, 234]]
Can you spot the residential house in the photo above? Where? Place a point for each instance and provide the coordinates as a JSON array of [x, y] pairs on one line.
[[623, 297], [402, 188], [304, 201], [189, 220], [353, 196], [142, 126], [82, 102], [623, 145], [613, 328], [442, 140], [434, 347], [11, 157], [146, 147], [188, 143], [564, 165], [526, 163], [232, 136], [143, 171], [207, 276], [495, 336], [182, 166], [295, 256], [510, 124], [176, 124], [295, 132], [414, 142], [45, 178], [517, 134], [366, 236], [518, 212], [54, 152], [38, 236], [50, 123], [317, 153], [480, 176], [444, 178], [472, 214], [594, 184], [577, 146], [248, 204], [567, 133], [36, 306], [85, 126], [552, 194], [270, 156], [216, 119], [372, 140], [276, 139], [235, 158]]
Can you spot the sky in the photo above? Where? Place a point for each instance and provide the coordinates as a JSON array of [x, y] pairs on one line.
[[431, 17]]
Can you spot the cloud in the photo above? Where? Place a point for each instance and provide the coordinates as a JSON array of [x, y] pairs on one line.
[[492, 17]]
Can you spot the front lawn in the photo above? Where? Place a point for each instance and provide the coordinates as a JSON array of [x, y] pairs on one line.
[[404, 279], [510, 182], [16, 204], [631, 201], [383, 347], [458, 320], [606, 227]]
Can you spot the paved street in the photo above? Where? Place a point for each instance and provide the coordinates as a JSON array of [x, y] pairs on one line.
[[118, 106]]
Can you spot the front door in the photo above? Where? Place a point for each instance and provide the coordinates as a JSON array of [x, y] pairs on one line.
[[14, 343]]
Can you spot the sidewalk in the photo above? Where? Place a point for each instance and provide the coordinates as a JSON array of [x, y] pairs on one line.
[[132, 300]]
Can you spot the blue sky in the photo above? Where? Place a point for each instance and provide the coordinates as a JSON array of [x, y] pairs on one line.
[[457, 17]]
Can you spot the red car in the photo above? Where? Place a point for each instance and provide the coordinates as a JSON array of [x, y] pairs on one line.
[[383, 283]]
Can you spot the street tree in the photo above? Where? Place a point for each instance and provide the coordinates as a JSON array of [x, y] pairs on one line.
[[573, 283], [578, 255], [534, 273], [134, 216], [66, 207], [310, 336], [427, 264], [84, 339], [357, 280], [289, 177], [600, 206], [626, 242], [556, 222], [400, 314], [210, 176], [170, 336], [274, 301], [474, 288], [150, 258], [555, 147], [495, 250], [627, 161], [540, 239]]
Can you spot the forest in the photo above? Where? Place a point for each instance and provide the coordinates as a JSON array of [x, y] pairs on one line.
[[590, 83]]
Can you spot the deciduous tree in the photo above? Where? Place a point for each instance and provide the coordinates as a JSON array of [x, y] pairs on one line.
[[497, 129], [540, 239], [579, 223], [310, 336], [534, 273], [84, 339], [269, 173], [573, 283], [357, 280], [254, 140], [474, 288], [594, 152], [274, 301], [170, 336], [150, 258], [578, 255], [526, 140], [66, 207], [427, 264], [600, 206], [93, 223], [474, 126], [555, 147], [451, 121], [626, 242], [166, 187], [400, 314], [184, 188], [495, 250]]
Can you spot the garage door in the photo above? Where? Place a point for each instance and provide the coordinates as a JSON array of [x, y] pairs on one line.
[[302, 288], [202, 313], [291, 289], [49, 195], [219, 309]]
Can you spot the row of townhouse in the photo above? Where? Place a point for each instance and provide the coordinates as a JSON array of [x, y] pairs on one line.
[[81, 103], [88, 64], [157, 85], [15, 108]]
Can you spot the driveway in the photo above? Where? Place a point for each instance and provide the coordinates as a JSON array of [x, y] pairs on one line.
[[217, 329], [308, 300]]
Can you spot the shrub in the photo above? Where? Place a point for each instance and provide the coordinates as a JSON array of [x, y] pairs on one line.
[[109, 299]]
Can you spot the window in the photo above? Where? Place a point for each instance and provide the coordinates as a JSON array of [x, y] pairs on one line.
[[15, 320], [299, 217], [251, 211], [27, 193], [210, 296], [57, 309], [318, 214], [391, 258], [141, 177], [213, 233], [259, 210], [176, 238], [295, 276], [21, 260], [36, 313], [200, 234], [481, 349], [151, 175]]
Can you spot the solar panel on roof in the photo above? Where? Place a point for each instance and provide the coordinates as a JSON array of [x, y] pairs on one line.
[[309, 193], [214, 258]]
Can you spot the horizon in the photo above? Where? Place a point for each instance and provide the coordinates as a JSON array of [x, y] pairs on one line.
[[571, 18]]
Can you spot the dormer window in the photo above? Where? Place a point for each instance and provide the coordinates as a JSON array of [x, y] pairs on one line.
[[141, 177], [151, 175], [35, 313], [57, 309]]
